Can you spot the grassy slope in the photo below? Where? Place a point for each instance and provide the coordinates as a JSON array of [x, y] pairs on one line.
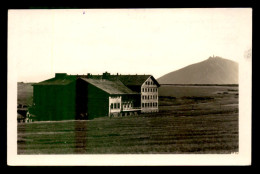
[[198, 91], [25, 93], [210, 134]]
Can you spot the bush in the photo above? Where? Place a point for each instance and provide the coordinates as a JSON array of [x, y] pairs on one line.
[[167, 97], [198, 98]]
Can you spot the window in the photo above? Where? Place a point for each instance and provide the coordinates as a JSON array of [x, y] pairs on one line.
[[145, 89], [148, 97], [143, 97], [118, 105], [142, 104], [148, 83], [114, 105], [111, 105]]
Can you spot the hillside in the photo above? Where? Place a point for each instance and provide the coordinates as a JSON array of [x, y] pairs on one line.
[[24, 93], [214, 70]]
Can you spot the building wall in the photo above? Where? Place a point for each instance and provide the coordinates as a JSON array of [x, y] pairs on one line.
[[81, 99], [149, 96], [115, 104], [54, 102], [98, 102]]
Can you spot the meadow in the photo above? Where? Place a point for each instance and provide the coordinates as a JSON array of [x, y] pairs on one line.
[[191, 120]]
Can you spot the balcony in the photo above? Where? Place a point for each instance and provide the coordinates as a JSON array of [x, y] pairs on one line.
[[131, 109]]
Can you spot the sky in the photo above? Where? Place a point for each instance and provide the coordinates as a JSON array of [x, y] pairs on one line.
[[125, 41]]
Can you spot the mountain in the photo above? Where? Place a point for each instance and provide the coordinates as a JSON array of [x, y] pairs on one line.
[[214, 70]]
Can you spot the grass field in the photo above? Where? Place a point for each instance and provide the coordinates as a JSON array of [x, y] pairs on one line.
[[187, 123], [195, 90]]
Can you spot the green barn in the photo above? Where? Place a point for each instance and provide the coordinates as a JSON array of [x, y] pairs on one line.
[[54, 99]]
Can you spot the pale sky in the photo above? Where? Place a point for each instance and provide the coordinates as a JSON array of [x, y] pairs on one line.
[[124, 41]]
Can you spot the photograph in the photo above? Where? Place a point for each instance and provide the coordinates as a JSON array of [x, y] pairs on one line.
[[133, 86]]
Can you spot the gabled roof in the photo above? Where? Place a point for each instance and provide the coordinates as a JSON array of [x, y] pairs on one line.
[[110, 86], [156, 82], [133, 80], [121, 83], [128, 80], [57, 81]]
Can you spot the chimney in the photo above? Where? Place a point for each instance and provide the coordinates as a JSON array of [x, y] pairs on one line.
[[105, 75], [89, 75], [60, 75]]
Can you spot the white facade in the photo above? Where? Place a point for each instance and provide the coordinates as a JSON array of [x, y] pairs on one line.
[[149, 96], [115, 105], [149, 101]]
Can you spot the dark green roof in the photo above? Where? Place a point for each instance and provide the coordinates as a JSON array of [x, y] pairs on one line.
[[58, 81], [130, 81], [133, 80]]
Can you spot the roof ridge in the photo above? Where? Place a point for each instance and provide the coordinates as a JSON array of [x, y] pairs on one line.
[[107, 87]]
